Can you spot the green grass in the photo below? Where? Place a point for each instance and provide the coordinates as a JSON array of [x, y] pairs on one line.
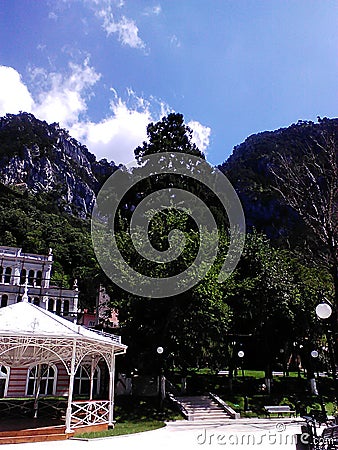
[[124, 428], [136, 414]]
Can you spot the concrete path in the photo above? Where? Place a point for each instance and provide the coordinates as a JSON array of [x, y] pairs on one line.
[[243, 433]]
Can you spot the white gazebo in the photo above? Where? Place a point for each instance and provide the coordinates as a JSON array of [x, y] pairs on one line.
[[30, 334]]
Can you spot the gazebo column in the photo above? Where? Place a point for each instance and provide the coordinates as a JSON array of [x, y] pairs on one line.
[[37, 390], [111, 388], [92, 371], [70, 389]]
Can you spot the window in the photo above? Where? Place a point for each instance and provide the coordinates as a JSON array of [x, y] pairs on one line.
[[31, 277], [50, 304], [58, 307], [8, 273], [4, 379], [82, 381], [47, 379], [4, 300], [36, 301], [19, 299], [1, 273], [38, 281], [66, 307], [23, 275]]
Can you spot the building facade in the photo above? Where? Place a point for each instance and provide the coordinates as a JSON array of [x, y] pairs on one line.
[[26, 277], [28, 274]]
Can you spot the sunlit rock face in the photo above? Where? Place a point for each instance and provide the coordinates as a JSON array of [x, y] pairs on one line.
[[38, 157]]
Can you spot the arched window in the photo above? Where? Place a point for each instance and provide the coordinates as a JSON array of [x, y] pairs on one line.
[[58, 307], [4, 300], [23, 275], [48, 375], [4, 379], [38, 280], [50, 304], [65, 307], [31, 277], [82, 381], [36, 301], [8, 273]]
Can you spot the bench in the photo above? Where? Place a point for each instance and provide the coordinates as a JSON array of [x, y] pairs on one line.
[[279, 410], [327, 440], [329, 437]]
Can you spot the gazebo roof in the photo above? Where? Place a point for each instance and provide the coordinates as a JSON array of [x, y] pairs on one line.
[[28, 332], [22, 319]]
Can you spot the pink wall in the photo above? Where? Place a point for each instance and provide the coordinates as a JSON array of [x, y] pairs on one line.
[[18, 379]]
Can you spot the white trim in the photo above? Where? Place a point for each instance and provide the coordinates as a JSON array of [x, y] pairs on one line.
[[28, 378], [5, 377], [85, 376]]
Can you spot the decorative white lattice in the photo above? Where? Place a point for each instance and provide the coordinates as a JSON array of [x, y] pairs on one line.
[[89, 413]]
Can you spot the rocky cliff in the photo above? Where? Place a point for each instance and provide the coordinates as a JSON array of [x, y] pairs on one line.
[[41, 157], [249, 170]]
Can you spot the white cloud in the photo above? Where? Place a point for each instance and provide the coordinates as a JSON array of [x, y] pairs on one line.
[[52, 15], [125, 28], [14, 95], [153, 11], [200, 135], [115, 137], [174, 41], [63, 98]]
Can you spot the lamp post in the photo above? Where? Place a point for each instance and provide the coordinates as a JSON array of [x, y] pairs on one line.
[[311, 372], [161, 379], [324, 312], [241, 356]]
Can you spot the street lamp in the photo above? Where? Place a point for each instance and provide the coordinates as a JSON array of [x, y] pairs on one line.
[[241, 356], [161, 379], [311, 372], [324, 312]]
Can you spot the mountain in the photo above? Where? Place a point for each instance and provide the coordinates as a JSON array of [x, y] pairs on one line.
[[249, 171], [43, 158]]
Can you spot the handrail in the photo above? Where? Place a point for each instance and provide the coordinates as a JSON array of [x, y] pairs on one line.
[[171, 387], [232, 413], [180, 406]]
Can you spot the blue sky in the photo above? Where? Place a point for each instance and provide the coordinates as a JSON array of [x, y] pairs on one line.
[[104, 69]]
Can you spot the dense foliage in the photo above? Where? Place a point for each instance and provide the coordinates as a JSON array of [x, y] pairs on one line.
[[267, 303]]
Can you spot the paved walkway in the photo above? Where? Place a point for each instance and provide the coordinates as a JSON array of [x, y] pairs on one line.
[[243, 433]]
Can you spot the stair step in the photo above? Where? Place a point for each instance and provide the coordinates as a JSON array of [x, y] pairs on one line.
[[203, 408], [33, 431], [33, 438]]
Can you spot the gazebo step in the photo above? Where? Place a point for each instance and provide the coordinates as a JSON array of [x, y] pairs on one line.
[[33, 438], [57, 429]]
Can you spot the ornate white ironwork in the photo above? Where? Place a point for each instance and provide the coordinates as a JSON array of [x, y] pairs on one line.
[[89, 413], [25, 350]]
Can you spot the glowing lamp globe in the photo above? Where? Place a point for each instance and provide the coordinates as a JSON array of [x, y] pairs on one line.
[[159, 350], [323, 310], [240, 353], [314, 354]]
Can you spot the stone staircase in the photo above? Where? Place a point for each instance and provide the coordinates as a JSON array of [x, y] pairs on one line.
[[202, 408]]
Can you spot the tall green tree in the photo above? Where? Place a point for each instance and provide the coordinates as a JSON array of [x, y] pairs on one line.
[[307, 179]]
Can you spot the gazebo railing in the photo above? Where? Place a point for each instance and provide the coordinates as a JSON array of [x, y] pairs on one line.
[[91, 412], [114, 337]]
